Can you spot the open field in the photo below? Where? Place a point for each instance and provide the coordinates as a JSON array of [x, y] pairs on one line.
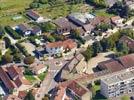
[[54, 12], [11, 8]]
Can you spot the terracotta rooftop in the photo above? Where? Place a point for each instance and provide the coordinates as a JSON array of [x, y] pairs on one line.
[[76, 88], [66, 44], [22, 94], [118, 64], [115, 18], [13, 71], [127, 61], [11, 97], [5, 79]]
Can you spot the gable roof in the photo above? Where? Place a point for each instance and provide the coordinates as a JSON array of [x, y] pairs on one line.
[[13, 71], [111, 65], [69, 43], [88, 27], [118, 64], [22, 28], [127, 61], [128, 41], [77, 89], [62, 22], [5, 79], [35, 30], [32, 14]]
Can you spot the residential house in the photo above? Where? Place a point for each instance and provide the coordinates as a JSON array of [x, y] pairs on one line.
[[117, 20], [80, 19], [63, 26], [12, 78], [71, 90], [23, 29], [36, 31], [76, 65], [128, 41], [38, 68], [100, 19], [75, 90], [121, 63], [58, 48], [34, 16], [11, 97]]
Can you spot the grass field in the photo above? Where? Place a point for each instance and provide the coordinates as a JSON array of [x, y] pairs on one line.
[[62, 10], [11, 8], [42, 76], [30, 78]]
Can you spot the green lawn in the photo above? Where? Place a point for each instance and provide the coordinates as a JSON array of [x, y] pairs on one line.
[[42, 76], [62, 10], [31, 78], [98, 96], [103, 13], [11, 8]]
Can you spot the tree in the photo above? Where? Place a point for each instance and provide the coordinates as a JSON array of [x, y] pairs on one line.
[[34, 5], [104, 44], [43, 1], [2, 31], [29, 96], [29, 60], [7, 42], [17, 57], [50, 38], [88, 53], [7, 58], [75, 33], [103, 27], [47, 27], [122, 49], [97, 48], [98, 3]]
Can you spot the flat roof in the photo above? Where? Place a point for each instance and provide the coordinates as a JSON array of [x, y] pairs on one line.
[[120, 77], [111, 80]]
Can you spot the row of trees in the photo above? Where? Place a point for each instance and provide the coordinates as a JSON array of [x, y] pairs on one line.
[[12, 32], [22, 49], [119, 8], [98, 3], [111, 43]]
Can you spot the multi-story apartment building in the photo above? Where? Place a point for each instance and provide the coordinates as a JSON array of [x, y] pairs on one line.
[[119, 84]]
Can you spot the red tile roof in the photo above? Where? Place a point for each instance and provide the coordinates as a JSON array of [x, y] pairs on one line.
[[113, 19], [111, 65], [18, 82], [22, 94], [5, 79], [127, 61], [66, 44], [76, 88], [11, 97], [13, 71]]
